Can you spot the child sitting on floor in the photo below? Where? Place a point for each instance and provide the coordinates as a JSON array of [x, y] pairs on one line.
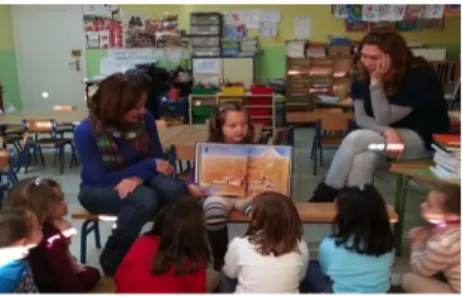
[[437, 250], [19, 232], [272, 257], [54, 268], [172, 258], [358, 257]]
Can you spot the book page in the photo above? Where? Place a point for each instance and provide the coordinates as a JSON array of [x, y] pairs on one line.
[[221, 169], [269, 169]]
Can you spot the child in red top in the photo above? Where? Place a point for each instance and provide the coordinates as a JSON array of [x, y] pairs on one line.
[[172, 257], [53, 267]]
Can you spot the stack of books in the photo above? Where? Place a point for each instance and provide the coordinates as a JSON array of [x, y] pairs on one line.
[[447, 156]]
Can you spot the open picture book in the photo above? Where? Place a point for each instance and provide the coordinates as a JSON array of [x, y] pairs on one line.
[[243, 170]]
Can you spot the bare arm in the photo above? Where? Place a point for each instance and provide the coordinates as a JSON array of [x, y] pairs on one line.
[[384, 112], [365, 121]]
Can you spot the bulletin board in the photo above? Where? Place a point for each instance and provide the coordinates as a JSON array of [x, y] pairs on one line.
[[215, 70]]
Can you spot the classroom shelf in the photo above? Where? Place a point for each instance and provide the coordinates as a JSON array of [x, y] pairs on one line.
[[270, 116]]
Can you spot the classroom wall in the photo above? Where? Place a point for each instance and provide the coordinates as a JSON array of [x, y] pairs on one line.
[[8, 70], [270, 64]]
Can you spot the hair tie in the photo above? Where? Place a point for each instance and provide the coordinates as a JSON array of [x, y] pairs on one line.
[[37, 181]]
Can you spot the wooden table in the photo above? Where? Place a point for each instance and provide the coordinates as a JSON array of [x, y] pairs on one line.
[[406, 171], [60, 117], [183, 135]]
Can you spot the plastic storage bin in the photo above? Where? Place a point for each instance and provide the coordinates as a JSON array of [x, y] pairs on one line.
[[238, 91], [213, 18]]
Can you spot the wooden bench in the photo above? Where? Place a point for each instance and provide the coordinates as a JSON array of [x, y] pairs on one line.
[[310, 213], [105, 285]]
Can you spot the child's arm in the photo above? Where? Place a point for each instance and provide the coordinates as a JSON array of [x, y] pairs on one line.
[[431, 257], [69, 280], [305, 258], [231, 267], [323, 254]]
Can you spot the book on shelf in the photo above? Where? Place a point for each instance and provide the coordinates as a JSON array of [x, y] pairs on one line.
[[446, 156], [243, 170]]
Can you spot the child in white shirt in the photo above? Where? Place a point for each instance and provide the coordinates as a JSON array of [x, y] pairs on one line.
[[272, 257]]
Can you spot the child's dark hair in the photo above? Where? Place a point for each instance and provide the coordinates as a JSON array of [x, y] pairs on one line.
[[452, 201], [217, 121], [275, 226], [183, 241], [15, 224], [36, 194], [362, 224]]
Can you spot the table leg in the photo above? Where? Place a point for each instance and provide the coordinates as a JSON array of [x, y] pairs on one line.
[[399, 206]]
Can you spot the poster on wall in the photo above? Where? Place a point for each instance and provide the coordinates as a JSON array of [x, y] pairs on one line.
[[408, 26], [434, 24], [142, 31], [355, 26], [452, 10], [103, 26]]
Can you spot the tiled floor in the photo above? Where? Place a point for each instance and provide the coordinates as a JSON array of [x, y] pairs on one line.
[[303, 185]]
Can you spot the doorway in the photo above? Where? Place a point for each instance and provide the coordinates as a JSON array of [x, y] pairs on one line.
[[46, 37]]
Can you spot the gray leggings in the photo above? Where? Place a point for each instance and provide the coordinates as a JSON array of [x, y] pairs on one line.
[[354, 164]]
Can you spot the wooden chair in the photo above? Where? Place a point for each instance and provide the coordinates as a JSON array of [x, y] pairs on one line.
[[40, 127], [332, 125], [61, 129], [447, 71]]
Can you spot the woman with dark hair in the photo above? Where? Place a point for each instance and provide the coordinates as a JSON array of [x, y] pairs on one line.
[[402, 104], [358, 256], [123, 166]]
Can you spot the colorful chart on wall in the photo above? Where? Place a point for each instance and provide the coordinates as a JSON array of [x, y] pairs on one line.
[[355, 13], [388, 26], [435, 24], [408, 26], [356, 26], [370, 13], [452, 10], [103, 26], [414, 11]]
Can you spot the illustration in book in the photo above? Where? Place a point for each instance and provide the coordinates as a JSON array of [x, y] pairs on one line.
[[243, 170]]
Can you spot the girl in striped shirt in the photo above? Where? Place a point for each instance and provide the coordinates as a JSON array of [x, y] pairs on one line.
[[435, 251], [229, 124]]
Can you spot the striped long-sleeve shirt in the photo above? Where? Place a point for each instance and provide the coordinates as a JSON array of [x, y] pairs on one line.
[[441, 253]]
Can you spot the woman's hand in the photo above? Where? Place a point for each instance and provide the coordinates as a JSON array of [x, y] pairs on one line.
[[381, 70], [196, 191], [127, 185], [164, 167], [394, 143]]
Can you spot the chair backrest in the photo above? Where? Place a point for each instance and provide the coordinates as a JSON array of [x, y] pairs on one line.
[[64, 107], [4, 159], [161, 123], [332, 119], [185, 152], [39, 126], [447, 71]]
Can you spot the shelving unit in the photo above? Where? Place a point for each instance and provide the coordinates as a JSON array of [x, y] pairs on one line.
[[206, 33], [306, 78], [266, 110]]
